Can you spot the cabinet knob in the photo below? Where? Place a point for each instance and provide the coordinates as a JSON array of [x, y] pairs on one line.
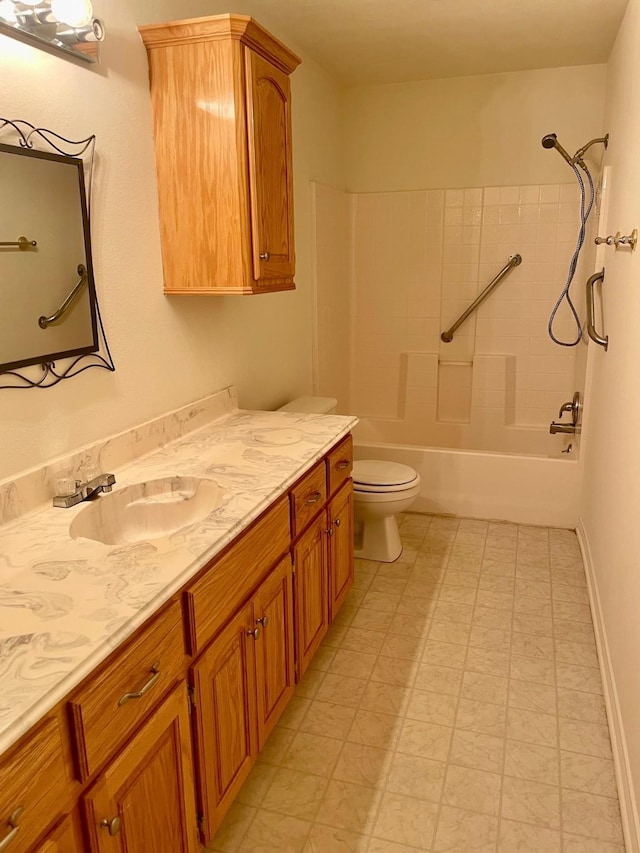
[[264, 621], [337, 522], [254, 632], [329, 531], [16, 814], [265, 256], [112, 825]]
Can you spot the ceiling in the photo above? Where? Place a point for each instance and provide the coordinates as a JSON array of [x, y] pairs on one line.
[[392, 41]]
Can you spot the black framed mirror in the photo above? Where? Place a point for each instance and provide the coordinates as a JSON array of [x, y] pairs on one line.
[[48, 304]]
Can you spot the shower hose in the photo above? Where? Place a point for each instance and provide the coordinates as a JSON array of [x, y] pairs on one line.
[[565, 296]]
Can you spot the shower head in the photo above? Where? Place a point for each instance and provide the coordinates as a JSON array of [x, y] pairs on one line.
[[551, 141]]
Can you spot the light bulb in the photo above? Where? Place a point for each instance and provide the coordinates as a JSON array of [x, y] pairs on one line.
[[75, 13], [8, 11]]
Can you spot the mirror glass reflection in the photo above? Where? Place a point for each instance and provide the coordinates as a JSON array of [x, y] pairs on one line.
[[42, 201]]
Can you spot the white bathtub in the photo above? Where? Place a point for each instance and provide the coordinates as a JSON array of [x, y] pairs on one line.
[[482, 484]]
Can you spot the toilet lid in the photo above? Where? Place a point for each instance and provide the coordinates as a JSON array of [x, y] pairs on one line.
[[374, 472]]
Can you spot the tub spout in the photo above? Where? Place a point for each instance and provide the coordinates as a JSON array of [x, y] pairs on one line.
[[565, 429]]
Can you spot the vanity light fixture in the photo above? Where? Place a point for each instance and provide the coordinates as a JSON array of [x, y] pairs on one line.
[[67, 27]]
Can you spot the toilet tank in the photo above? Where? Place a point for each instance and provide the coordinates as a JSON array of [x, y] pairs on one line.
[[311, 405]]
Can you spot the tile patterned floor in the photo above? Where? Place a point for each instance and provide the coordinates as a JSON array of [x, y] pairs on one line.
[[455, 705]]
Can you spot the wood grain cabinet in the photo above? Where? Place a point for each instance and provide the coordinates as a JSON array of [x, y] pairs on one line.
[[242, 683], [145, 799], [222, 123], [150, 750]]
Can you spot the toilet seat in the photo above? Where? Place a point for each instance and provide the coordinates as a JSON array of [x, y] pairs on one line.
[[377, 476]]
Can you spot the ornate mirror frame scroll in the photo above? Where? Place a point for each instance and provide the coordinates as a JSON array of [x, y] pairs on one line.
[[22, 134]]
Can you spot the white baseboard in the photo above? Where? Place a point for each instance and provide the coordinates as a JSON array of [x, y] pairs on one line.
[[626, 792]]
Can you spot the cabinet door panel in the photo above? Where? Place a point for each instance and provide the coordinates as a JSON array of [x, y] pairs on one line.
[[225, 717], [312, 596], [269, 124], [341, 547], [145, 799], [65, 838], [273, 613]]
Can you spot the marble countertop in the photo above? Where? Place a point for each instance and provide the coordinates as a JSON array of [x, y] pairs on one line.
[[65, 604]]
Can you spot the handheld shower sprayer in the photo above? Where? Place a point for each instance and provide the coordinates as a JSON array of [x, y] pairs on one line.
[[586, 206], [551, 141]]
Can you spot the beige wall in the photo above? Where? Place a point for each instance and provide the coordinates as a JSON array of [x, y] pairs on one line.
[[611, 498], [168, 351], [470, 131]]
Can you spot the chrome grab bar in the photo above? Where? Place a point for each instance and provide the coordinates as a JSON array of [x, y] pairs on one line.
[[43, 321], [514, 261], [591, 329]]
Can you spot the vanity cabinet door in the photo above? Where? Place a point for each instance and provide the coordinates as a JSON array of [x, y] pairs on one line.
[[340, 547], [273, 617], [145, 798], [65, 838], [225, 718], [270, 169], [311, 590]]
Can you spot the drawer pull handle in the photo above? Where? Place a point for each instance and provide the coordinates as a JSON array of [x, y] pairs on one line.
[[313, 498], [264, 621], [155, 675], [112, 825], [15, 829], [342, 465], [254, 632]]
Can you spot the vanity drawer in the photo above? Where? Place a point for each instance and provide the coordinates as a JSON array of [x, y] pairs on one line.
[[307, 498], [109, 706], [33, 778], [339, 464], [213, 599]]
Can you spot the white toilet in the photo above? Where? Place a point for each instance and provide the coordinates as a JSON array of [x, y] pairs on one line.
[[380, 491]]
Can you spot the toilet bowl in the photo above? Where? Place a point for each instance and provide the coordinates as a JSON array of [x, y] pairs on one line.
[[381, 490]]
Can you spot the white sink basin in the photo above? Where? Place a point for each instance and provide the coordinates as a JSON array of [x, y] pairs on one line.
[[146, 511]]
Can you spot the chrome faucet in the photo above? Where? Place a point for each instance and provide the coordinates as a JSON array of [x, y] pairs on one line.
[[84, 491]]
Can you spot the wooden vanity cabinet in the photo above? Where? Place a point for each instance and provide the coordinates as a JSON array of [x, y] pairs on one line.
[[241, 684], [222, 126], [145, 799], [66, 837]]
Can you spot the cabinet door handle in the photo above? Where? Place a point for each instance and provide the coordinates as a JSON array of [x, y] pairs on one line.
[[15, 829], [264, 621], [254, 632], [342, 465], [313, 498], [112, 825], [265, 256], [337, 522], [138, 694], [329, 531]]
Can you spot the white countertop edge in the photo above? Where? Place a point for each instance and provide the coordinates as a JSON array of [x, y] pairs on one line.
[[36, 712]]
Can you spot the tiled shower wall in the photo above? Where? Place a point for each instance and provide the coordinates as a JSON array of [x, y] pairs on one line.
[[418, 259]]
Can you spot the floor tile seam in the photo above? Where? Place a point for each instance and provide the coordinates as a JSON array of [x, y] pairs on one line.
[[504, 749], [448, 762], [325, 779]]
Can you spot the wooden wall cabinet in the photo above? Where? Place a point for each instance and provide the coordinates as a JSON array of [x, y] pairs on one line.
[[222, 124]]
